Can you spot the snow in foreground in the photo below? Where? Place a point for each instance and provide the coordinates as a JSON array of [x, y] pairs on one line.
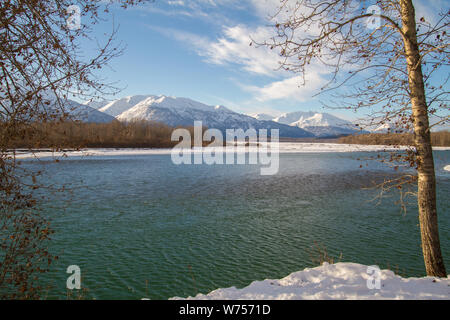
[[337, 281]]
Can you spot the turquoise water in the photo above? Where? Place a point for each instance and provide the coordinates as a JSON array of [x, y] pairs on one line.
[[140, 226]]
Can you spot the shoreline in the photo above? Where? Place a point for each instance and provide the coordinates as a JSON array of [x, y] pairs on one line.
[[284, 148]]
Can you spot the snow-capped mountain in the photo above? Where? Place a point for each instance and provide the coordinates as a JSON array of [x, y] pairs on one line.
[[319, 124], [117, 107], [262, 116], [96, 104], [312, 119], [175, 111], [55, 109], [385, 128], [51, 108], [292, 117], [392, 127], [396, 125], [85, 113]]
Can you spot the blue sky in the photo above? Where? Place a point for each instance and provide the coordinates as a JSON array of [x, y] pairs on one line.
[[200, 49]]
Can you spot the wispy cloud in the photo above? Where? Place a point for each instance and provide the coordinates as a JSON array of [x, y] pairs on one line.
[[166, 12], [176, 3], [290, 88], [231, 47], [206, 10], [195, 41], [234, 48]]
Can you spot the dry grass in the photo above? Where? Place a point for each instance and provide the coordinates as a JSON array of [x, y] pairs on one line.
[[319, 254]]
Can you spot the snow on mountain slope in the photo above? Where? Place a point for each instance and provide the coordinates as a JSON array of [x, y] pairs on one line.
[[391, 127], [96, 104], [84, 113], [116, 107], [291, 117], [312, 119], [398, 125], [169, 109], [51, 108], [384, 128], [332, 132], [322, 120], [75, 111], [320, 124], [175, 111], [262, 116]]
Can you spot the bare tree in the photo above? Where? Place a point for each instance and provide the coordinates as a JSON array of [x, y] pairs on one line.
[[41, 64], [386, 61]]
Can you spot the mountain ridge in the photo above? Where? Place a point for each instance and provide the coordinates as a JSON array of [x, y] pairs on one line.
[[180, 111], [322, 125]]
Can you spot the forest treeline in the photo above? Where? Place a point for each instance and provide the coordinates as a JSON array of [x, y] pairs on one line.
[[139, 134], [145, 134], [438, 139]]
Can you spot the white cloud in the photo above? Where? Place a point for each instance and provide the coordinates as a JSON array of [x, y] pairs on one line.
[[166, 12], [291, 88], [234, 47], [176, 3], [231, 48], [207, 10], [197, 42], [265, 8]]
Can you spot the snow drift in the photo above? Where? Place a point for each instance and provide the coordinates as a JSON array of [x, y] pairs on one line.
[[340, 281]]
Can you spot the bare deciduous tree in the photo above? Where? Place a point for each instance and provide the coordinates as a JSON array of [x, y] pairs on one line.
[[386, 61], [41, 64]]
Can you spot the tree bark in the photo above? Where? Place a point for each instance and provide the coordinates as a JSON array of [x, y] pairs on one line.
[[426, 194]]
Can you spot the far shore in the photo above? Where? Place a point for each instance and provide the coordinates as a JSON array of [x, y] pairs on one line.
[[284, 147]]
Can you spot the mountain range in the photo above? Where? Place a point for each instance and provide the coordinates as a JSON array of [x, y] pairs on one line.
[[319, 124], [175, 111], [322, 125], [86, 113]]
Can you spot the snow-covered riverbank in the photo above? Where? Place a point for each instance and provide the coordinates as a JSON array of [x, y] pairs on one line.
[[284, 147], [340, 281]]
